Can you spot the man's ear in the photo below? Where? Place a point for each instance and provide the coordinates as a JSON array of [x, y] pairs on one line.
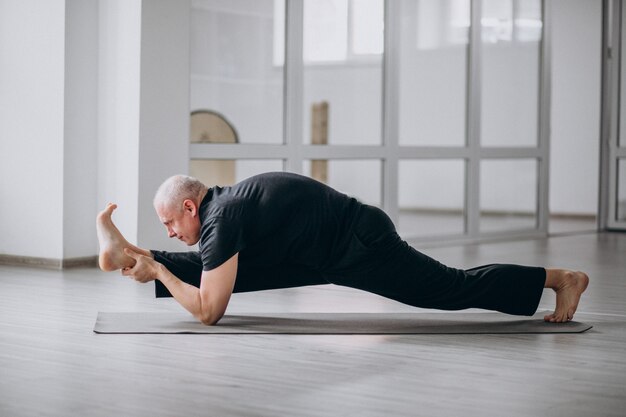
[[190, 206]]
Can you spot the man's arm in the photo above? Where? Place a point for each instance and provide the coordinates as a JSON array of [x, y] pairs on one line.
[[207, 303]]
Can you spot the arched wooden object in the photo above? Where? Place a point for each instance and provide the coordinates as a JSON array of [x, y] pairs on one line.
[[211, 127]]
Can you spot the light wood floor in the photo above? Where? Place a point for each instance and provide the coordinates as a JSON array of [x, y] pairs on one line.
[[52, 364]]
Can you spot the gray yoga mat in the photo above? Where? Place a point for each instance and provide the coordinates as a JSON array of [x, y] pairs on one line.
[[335, 323]]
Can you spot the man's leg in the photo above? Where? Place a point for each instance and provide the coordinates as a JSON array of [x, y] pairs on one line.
[[187, 266], [379, 261], [413, 278], [255, 278]]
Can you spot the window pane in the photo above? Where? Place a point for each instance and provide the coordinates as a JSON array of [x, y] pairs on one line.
[[232, 66], [349, 87], [433, 71], [431, 197], [508, 194], [325, 30], [621, 190], [511, 34], [229, 171], [367, 28], [357, 178]]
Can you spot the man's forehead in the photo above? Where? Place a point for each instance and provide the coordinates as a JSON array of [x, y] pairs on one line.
[[164, 214]]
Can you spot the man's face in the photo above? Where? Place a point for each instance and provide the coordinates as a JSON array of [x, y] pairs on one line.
[[183, 225]]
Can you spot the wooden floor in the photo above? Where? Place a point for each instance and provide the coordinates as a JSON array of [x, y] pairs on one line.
[[51, 363]]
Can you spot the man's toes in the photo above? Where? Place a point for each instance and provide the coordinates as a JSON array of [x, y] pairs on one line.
[[558, 317], [561, 318], [550, 318]]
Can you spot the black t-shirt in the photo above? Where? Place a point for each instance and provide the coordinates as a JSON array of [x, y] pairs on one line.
[[273, 219]]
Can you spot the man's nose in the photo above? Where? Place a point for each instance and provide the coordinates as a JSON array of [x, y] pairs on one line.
[[171, 233]]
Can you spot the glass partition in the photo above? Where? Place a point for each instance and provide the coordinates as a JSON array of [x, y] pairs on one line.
[[445, 100], [342, 54], [508, 194], [511, 50], [431, 197], [360, 178], [433, 49], [233, 72], [230, 171]]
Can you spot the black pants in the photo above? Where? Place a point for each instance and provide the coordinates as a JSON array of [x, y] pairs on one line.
[[377, 260]]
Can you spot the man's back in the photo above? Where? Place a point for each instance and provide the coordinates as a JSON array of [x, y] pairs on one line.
[[275, 218]]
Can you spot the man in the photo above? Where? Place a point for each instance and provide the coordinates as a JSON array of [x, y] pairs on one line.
[[280, 230]]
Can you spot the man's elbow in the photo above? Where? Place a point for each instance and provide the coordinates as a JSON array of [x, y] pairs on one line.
[[209, 321], [209, 318]]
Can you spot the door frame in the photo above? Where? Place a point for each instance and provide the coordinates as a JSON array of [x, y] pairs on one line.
[[610, 151]]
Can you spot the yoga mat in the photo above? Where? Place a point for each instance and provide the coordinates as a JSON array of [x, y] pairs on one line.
[[335, 323]]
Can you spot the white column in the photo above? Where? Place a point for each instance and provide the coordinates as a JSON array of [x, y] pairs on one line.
[[80, 129], [143, 117], [164, 110], [119, 43]]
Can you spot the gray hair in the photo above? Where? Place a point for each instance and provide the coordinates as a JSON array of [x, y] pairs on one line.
[[177, 189]]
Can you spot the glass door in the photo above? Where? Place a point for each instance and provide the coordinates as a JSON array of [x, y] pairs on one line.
[[613, 198]]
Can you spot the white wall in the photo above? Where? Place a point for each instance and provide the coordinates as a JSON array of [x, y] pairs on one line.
[[32, 50], [94, 105]]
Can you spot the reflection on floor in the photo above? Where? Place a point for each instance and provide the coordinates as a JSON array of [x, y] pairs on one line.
[[440, 223]]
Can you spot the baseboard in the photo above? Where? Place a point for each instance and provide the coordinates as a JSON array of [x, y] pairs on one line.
[[84, 262], [49, 263]]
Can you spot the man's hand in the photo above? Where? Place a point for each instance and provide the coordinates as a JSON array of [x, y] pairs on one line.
[[145, 270]]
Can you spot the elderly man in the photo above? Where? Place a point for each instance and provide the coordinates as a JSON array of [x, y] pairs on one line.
[[280, 230]]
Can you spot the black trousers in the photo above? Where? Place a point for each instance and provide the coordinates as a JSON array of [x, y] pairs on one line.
[[377, 260]]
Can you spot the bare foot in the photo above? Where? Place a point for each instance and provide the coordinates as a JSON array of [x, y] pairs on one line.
[[569, 286], [112, 243]]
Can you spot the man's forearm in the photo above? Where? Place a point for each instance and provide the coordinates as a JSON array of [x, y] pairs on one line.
[[187, 295], [207, 303]]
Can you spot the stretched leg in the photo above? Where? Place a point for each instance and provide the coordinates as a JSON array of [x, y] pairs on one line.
[[112, 243], [187, 266], [413, 278], [379, 261], [569, 286]]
